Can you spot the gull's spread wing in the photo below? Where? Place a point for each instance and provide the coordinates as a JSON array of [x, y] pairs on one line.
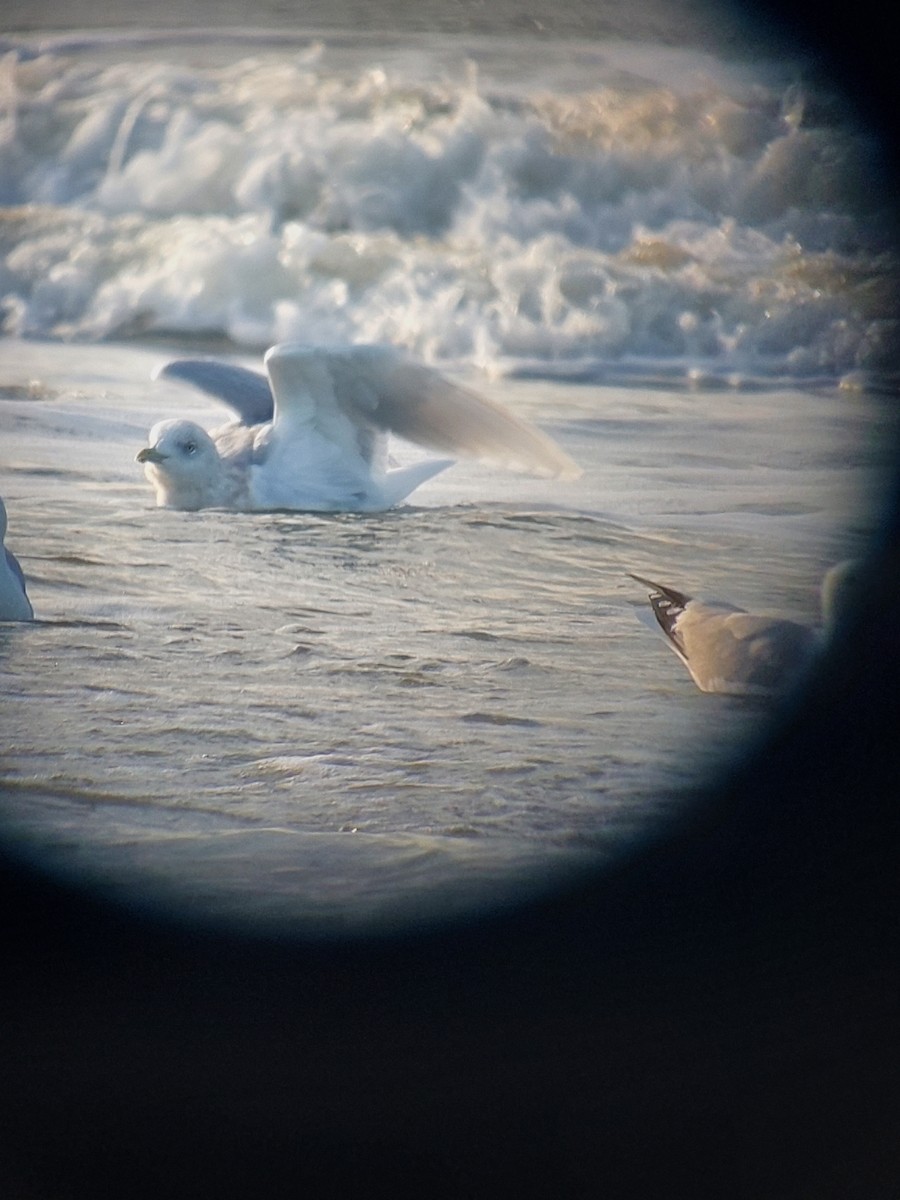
[[352, 392], [246, 392]]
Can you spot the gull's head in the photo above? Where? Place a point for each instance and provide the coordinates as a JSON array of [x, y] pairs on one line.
[[182, 463]]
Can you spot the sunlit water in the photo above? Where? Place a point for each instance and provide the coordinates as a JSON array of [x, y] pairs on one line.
[[333, 721]]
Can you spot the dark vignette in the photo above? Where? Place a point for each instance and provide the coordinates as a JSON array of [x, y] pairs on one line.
[[715, 1017]]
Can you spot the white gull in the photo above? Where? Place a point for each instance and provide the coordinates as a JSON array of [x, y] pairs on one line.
[[14, 602], [323, 444], [729, 650]]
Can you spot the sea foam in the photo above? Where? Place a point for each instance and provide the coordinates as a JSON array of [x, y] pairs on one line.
[[726, 224]]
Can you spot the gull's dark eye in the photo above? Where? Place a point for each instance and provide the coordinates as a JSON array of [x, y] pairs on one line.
[[190, 447]]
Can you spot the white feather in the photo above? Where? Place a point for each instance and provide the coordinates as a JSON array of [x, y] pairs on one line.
[[326, 446]]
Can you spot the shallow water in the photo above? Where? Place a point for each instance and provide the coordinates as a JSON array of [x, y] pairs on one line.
[[337, 720]]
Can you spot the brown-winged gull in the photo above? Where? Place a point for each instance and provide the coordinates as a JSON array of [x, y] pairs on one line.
[[729, 650], [325, 446]]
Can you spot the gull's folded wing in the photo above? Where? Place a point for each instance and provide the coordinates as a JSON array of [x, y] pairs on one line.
[[727, 649], [13, 563]]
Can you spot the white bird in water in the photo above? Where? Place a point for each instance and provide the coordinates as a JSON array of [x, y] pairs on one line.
[[313, 436], [14, 602], [729, 650]]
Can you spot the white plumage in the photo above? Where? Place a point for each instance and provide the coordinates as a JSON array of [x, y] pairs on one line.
[[729, 650], [324, 446]]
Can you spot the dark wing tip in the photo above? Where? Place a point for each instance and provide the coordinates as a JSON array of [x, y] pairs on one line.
[[681, 599], [668, 606]]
